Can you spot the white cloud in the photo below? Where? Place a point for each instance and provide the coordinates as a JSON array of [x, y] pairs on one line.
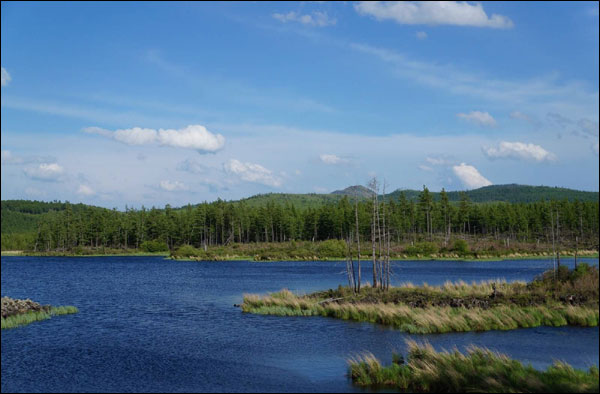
[[191, 137], [45, 172], [317, 18], [425, 168], [519, 150], [333, 159], [85, 190], [479, 118], [421, 35], [251, 172], [9, 158], [136, 136], [439, 161], [457, 13], [5, 77], [172, 186], [470, 176]]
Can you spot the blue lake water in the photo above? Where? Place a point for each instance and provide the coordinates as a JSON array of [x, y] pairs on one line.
[[148, 324]]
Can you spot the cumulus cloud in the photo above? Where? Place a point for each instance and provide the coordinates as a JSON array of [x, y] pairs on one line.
[[421, 35], [317, 18], [518, 150], [332, 159], [191, 137], [251, 172], [459, 13], [470, 176], [85, 190], [5, 77], [172, 186], [479, 118], [45, 172]]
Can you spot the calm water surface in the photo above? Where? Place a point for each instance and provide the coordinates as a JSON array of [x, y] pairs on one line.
[[148, 324]]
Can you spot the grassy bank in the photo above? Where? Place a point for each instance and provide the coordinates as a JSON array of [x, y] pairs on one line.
[[336, 250], [33, 316], [480, 370], [571, 299], [330, 250]]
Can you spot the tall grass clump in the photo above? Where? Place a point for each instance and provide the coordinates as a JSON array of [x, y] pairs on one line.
[[23, 319], [569, 299], [479, 370]]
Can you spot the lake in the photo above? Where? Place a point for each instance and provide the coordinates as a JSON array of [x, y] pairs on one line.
[[149, 324]]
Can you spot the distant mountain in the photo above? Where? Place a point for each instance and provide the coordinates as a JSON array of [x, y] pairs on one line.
[[355, 191], [508, 193]]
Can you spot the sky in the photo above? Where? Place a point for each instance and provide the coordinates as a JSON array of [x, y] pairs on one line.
[[130, 104]]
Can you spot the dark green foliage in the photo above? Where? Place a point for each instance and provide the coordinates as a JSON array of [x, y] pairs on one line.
[[332, 248], [461, 247], [62, 227], [154, 246], [421, 248]]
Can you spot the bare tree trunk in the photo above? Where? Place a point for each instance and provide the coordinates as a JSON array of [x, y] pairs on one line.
[[576, 249], [357, 242], [553, 245], [373, 187]]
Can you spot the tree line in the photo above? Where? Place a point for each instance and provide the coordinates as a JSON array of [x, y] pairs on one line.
[[221, 222]]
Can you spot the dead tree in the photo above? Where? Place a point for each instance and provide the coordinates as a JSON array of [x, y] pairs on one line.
[[357, 242], [373, 188]]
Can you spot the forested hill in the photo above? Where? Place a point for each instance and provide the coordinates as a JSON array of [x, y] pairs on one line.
[[20, 216], [507, 193]]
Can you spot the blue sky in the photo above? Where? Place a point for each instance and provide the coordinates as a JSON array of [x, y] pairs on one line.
[[154, 103]]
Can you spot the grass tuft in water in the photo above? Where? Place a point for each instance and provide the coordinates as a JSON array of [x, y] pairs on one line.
[[479, 370], [32, 316]]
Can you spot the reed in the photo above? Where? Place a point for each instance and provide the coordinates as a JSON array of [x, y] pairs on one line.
[[33, 316], [479, 370]]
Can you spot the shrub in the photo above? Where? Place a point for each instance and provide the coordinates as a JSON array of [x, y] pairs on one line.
[[187, 251], [460, 246], [154, 246], [424, 248], [332, 248]]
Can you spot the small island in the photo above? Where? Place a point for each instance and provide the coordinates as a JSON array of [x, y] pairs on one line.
[[16, 313], [555, 298]]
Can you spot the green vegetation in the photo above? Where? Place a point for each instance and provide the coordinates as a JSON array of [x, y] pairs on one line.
[[430, 226], [23, 319], [480, 370], [569, 299]]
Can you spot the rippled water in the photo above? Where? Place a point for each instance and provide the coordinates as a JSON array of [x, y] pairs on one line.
[[148, 324]]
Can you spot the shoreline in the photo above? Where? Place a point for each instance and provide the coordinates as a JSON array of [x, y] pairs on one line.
[[167, 256]]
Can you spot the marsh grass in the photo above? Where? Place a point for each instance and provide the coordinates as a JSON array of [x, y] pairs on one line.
[[33, 316], [431, 320], [479, 370], [451, 307]]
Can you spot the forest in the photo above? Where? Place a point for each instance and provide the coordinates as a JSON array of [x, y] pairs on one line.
[[43, 227]]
